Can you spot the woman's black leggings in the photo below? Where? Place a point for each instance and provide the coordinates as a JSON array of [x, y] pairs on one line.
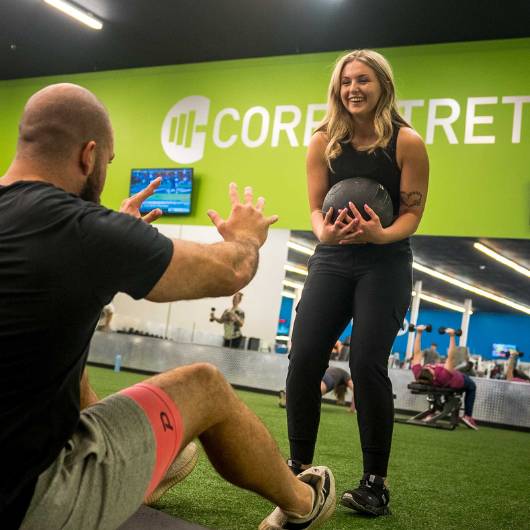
[[371, 284]]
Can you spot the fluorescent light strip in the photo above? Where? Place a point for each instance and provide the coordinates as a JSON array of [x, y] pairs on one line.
[[294, 285], [282, 337], [76, 13], [443, 303], [440, 301], [472, 288], [295, 269], [288, 294], [300, 248], [505, 261]]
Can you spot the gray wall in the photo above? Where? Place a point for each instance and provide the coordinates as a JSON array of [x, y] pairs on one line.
[[497, 401]]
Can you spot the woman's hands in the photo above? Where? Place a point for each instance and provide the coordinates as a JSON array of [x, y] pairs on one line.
[[332, 233], [350, 227], [370, 231]]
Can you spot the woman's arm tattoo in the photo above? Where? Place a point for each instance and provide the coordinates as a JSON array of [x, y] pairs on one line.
[[411, 198]]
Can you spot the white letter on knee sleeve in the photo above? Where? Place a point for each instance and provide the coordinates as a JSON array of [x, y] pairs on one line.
[[310, 122], [472, 120], [224, 144], [265, 122], [445, 123], [407, 105], [517, 115], [288, 127]]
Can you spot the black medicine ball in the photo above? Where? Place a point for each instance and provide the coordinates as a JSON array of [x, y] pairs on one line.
[[360, 191]]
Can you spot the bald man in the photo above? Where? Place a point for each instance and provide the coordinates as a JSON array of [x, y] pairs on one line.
[[68, 460]]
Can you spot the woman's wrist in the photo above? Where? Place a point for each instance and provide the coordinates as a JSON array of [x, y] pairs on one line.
[[383, 237]]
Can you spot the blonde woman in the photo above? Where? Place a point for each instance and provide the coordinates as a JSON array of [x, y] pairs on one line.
[[359, 270]]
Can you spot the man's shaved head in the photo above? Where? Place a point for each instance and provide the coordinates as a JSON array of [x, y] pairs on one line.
[[65, 137], [58, 120]]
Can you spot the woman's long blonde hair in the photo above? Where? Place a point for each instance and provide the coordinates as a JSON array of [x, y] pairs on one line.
[[338, 125]]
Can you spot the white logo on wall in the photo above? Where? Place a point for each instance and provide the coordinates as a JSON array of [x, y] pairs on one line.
[[182, 138], [184, 128]]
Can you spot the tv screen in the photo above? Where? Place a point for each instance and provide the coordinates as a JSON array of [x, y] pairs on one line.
[[502, 350], [173, 196]]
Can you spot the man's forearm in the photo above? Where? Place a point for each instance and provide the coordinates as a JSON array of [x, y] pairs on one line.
[[417, 343], [245, 260], [450, 362], [199, 270]]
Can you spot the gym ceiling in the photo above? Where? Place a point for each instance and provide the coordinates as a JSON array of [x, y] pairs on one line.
[[37, 40]]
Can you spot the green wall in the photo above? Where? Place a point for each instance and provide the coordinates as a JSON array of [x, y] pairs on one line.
[[476, 188]]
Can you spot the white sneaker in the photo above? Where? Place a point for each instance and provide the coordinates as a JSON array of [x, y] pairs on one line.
[[322, 481], [181, 467]]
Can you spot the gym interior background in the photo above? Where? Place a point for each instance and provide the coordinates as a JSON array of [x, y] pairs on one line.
[[239, 101]]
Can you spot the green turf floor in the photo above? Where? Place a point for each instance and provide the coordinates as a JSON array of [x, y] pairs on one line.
[[438, 479]]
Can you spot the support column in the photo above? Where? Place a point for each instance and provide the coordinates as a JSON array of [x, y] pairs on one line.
[[468, 309], [414, 310]]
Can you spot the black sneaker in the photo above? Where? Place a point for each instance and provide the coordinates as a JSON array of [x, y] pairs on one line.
[[371, 496], [295, 466]]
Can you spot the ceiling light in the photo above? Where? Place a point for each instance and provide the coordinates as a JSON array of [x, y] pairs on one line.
[[75, 12], [505, 261], [297, 270], [282, 337], [443, 303], [288, 294], [468, 287], [300, 248], [294, 285]]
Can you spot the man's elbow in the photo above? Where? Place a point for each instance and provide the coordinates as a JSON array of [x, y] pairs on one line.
[[241, 279]]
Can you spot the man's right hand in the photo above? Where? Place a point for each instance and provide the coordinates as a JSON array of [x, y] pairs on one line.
[[246, 221], [199, 270]]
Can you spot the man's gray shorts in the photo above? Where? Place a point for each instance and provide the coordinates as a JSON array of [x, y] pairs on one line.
[[101, 476]]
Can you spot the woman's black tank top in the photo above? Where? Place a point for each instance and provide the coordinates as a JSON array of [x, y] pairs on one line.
[[381, 165]]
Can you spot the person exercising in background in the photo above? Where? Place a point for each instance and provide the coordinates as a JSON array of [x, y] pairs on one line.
[[105, 319], [233, 320], [335, 379], [335, 352], [339, 381], [431, 355], [446, 374], [512, 373]]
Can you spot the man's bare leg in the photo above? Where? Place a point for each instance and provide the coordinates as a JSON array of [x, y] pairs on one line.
[[236, 442]]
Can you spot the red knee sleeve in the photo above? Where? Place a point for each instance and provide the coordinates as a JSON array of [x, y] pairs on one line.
[[166, 422]]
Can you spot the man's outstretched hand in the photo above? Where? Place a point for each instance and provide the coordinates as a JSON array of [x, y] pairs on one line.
[[131, 206], [246, 221]]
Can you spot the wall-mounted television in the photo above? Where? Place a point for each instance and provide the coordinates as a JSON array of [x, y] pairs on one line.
[[173, 196], [502, 350]]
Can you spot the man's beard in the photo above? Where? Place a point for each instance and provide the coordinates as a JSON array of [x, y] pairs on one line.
[[92, 189]]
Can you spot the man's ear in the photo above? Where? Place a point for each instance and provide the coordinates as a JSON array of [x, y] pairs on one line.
[[88, 158]]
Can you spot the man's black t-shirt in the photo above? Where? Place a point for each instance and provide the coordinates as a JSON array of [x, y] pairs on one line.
[[61, 260]]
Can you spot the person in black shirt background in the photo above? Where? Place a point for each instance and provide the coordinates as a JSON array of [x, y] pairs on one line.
[[359, 270]]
